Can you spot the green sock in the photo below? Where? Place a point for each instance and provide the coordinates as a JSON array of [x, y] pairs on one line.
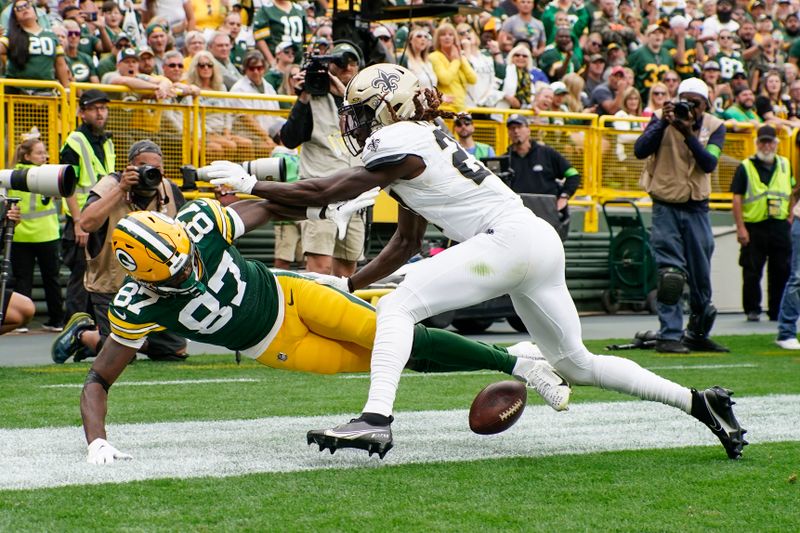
[[437, 350]]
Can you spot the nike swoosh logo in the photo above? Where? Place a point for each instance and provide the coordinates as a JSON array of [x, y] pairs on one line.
[[123, 316], [291, 297], [717, 426]]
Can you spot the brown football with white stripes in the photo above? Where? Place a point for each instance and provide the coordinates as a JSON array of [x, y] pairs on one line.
[[497, 407]]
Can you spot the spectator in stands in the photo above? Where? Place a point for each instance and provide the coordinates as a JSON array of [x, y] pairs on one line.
[[233, 27], [538, 168], [255, 126], [659, 95], [607, 97], [453, 71], [209, 14], [37, 237], [384, 35], [128, 74], [18, 310], [518, 89], [81, 65], [576, 97], [284, 59], [542, 101], [762, 191], [288, 85], [793, 102], [610, 27], [578, 17], [593, 73], [110, 199], [415, 57], [147, 61], [177, 15], [769, 103], [484, 92], [742, 109], [194, 42], [677, 177], [28, 51], [112, 16], [172, 120], [313, 122], [94, 42], [464, 129], [158, 40], [715, 24], [730, 60], [651, 61], [615, 55], [277, 22], [206, 74], [720, 94], [631, 107], [109, 61], [220, 46], [288, 235], [45, 21], [524, 26], [769, 58], [90, 150], [558, 59]]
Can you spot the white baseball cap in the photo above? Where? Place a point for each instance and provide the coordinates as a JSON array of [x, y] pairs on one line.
[[693, 85], [679, 21]]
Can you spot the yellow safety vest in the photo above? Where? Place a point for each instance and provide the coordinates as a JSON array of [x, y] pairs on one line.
[[39, 220], [767, 201], [91, 169]]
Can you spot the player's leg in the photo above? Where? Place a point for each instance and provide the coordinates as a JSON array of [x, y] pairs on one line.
[[18, 310]]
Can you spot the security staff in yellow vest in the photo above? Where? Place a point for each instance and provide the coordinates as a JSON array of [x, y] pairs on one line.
[[762, 190], [682, 144], [111, 199], [90, 150], [37, 238], [314, 123]]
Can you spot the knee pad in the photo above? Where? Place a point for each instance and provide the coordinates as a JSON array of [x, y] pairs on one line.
[[700, 324], [670, 285]]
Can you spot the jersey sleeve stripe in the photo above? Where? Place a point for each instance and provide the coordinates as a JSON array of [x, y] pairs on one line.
[[263, 33]]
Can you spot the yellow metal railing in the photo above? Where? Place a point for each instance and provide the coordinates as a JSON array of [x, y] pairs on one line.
[[602, 154]]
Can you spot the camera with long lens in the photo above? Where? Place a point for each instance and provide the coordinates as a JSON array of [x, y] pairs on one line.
[[47, 180], [264, 169], [683, 110], [149, 176], [317, 81]]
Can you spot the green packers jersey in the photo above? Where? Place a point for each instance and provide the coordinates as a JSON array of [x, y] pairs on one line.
[[42, 52], [238, 308], [552, 59], [88, 42], [686, 70], [729, 64], [276, 26], [649, 68], [237, 54], [82, 67]]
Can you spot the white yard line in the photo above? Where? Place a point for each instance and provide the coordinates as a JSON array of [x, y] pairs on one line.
[[151, 383], [51, 457]]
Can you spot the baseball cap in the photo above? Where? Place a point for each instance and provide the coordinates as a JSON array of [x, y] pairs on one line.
[[757, 3], [122, 36], [619, 69], [127, 53], [284, 45], [767, 133], [653, 28], [693, 85], [155, 27], [679, 21], [381, 31], [739, 73], [516, 118], [143, 50], [711, 65], [596, 57], [491, 25], [612, 46], [345, 48], [92, 96], [141, 147], [559, 87]]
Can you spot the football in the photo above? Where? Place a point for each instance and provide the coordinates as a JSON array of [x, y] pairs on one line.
[[497, 407]]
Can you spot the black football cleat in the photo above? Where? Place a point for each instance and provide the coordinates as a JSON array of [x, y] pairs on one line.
[[701, 343], [714, 408], [358, 433]]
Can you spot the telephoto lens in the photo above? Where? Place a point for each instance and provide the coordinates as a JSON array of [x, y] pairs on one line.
[[47, 180], [264, 169]]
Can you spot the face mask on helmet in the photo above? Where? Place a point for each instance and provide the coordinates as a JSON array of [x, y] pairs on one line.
[[356, 122]]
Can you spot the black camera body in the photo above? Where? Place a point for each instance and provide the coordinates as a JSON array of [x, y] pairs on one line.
[[317, 81], [500, 166], [149, 176], [683, 110]]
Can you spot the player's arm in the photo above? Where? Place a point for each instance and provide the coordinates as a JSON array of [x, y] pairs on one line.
[[255, 213], [406, 241], [107, 367]]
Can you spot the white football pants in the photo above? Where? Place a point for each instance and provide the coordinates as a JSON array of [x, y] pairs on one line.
[[523, 257]]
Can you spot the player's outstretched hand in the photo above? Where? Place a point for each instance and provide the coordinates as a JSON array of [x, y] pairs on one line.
[[231, 176], [340, 212], [102, 453], [339, 283]]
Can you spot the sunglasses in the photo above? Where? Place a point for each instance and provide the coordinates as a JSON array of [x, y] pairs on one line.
[[465, 32], [520, 55], [671, 80], [73, 34], [385, 38], [659, 93], [595, 43], [462, 122], [22, 6], [173, 65], [205, 65], [256, 68]]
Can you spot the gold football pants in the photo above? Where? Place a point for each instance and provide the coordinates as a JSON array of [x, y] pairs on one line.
[[324, 331]]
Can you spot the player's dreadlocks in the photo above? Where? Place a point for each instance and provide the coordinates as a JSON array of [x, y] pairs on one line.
[[426, 103]]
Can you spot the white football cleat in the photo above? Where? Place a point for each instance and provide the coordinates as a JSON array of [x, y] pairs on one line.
[[789, 344], [526, 350], [541, 377]]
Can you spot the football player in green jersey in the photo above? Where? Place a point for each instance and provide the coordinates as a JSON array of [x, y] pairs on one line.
[[186, 276]]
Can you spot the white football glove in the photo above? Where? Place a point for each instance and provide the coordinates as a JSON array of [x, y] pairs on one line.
[[339, 283], [340, 212], [231, 176], [102, 453]]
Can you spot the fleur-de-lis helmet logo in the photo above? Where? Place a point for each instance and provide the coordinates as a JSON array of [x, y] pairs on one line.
[[386, 82]]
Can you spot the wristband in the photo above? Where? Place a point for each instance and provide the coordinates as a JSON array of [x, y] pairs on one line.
[[315, 213], [350, 287]]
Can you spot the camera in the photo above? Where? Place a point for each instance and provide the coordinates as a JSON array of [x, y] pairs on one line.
[[149, 176], [264, 169], [683, 110], [500, 167], [47, 180], [317, 82]]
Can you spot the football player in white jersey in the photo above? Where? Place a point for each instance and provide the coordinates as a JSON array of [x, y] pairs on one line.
[[504, 249]]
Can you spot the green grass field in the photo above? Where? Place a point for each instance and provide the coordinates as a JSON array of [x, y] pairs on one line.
[[693, 488]]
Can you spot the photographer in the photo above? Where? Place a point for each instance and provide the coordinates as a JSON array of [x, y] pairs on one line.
[[314, 123], [682, 143], [18, 309], [141, 186]]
